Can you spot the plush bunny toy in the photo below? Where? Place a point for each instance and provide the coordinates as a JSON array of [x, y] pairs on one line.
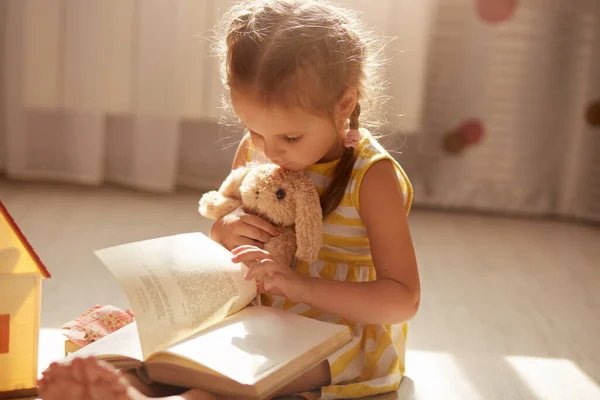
[[286, 199]]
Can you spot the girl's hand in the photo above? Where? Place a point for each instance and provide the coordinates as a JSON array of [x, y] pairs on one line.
[[276, 279], [239, 228]]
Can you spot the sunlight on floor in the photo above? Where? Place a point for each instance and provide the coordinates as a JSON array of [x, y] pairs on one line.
[[52, 347], [438, 376], [554, 379]]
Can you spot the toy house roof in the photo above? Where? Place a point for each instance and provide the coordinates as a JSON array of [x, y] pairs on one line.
[[41, 267]]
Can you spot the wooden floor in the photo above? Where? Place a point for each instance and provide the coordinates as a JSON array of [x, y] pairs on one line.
[[510, 307]]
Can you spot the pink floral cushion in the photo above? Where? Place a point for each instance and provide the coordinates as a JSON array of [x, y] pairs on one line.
[[96, 323]]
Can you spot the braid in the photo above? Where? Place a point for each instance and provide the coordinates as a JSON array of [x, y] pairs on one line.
[[334, 193], [354, 124]]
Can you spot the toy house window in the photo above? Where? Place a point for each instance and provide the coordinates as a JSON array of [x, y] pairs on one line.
[[4, 333]]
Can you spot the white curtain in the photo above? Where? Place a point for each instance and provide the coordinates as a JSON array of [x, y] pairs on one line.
[[126, 91]]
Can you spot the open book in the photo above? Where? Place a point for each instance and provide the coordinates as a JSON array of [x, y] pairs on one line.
[[194, 326]]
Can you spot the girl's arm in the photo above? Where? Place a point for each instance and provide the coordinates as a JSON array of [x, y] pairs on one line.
[[394, 297]]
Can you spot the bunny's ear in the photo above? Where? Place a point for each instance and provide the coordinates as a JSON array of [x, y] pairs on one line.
[[309, 219], [215, 204]]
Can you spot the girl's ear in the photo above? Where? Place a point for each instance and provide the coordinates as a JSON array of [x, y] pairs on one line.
[[346, 103]]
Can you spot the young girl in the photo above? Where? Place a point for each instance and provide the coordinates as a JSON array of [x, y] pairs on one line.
[[299, 75]]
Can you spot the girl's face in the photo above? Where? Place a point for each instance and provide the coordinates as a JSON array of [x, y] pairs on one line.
[[291, 138]]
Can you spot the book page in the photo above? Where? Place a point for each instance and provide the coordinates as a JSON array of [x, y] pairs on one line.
[[257, 342], [177, 285]]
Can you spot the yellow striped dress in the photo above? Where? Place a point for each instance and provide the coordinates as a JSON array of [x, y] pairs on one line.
[[373, 362]]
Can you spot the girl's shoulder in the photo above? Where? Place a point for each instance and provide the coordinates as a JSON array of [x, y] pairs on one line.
[[243, 153], [253, 155], [370, 151]]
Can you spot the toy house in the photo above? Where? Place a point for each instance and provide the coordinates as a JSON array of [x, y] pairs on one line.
[[21, 274]]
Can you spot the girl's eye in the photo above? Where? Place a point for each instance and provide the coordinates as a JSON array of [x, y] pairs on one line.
[[292, 139]]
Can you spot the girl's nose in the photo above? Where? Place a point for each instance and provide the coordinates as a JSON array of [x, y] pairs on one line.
[[272, 152]]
